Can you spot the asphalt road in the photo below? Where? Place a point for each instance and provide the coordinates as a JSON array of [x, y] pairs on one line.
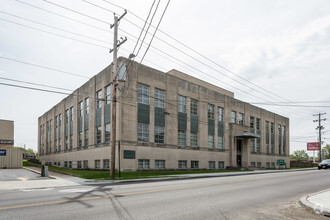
[[263, 196]]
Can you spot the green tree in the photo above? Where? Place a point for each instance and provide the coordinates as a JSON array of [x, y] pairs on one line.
[[326, 152], [299, 155]]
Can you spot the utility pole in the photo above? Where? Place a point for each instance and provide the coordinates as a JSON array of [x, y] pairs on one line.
[[116, 44], [320, 128]]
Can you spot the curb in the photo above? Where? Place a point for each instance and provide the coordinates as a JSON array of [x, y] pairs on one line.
[[317, 209]]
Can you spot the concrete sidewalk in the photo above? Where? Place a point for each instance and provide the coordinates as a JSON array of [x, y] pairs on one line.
[[317, 202]]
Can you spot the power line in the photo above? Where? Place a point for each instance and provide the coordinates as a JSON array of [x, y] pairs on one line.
[[31, 88], [155, 31]]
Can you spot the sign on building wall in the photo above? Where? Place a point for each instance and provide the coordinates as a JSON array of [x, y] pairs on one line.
[[6, 141], [313, 146], [129, 154], [3, 152], [280, 162]]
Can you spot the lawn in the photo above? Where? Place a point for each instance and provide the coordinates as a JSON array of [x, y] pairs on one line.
[[105, 175]]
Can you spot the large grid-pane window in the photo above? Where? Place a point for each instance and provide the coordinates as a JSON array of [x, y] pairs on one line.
[[87, 106], [279, 139], [99, 99], [210, 141], [220, 143], [159, 134], [106, 164], [193, 139], [241, 118], [159, 98], [194, 107], [80, 139], [97, 164], [252, 124], [80, 109], [143, 94], [221, 164], [210, 111], [182, 105], [211, 164], [86, 138], [143, 164], [182, 138], [272, 138], [107, 95], [233, 117], [143, 132], [107, 133], [220, 114], [160, 164], [98, 134]]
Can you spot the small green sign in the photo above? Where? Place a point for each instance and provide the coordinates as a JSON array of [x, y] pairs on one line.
[[280, 162], [129, 154]]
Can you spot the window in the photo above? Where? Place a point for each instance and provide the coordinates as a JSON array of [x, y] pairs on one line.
[[233, 117], [107, 95], [87, 106], [220, 114], [71, 116], [98, 134], [106, 164], [97, 164], [252, 145], [182, 104], [210, 111], [143, 94], [220, 143], [65, 164], [160, 164], [143, 132], [99, 99], [194, 107], [182, 138], [258, 124], [252, 124], [66, 143], [241, 118], [194, 164], [70, 164], [279, 139], [71, 142], [259, 164], [193, 139], [221, 164], [159, 134], [211, 141], [85, 164], [182, 164], [159, 98], [107, 133], [253, 164], [67, 116], [86, 138], [80, 137], [211, 164], [79, 164], [143, 164], [80, 109], [267, 165]]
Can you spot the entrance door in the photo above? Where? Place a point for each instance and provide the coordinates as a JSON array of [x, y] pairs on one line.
[[239, 152]]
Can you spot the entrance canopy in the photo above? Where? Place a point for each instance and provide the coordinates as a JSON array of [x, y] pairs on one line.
[[247, 135]]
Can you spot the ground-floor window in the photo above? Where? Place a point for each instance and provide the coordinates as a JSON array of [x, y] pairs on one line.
[[70, 164], [252, 146], [182, 164], [259, 164], [253, 164], [211, 141], [143, 132], [181, 137], [65, 164], [160, 164], [97, 164], [79, 164], [221, 164], [268, 165], [143, 164], [211, 164], [106, 164], [194, 164], [193, 139], [85, 164]]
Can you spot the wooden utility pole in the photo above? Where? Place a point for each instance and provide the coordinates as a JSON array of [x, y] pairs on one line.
[[320, 128], [114, 85]]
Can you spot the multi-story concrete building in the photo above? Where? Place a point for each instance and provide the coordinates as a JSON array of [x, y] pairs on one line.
[[164, 121]]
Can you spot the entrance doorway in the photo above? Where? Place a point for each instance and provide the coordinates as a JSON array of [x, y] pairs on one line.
[[239, 152]]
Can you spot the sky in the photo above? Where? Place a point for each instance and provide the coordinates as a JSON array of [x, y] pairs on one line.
[[273, 54]]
